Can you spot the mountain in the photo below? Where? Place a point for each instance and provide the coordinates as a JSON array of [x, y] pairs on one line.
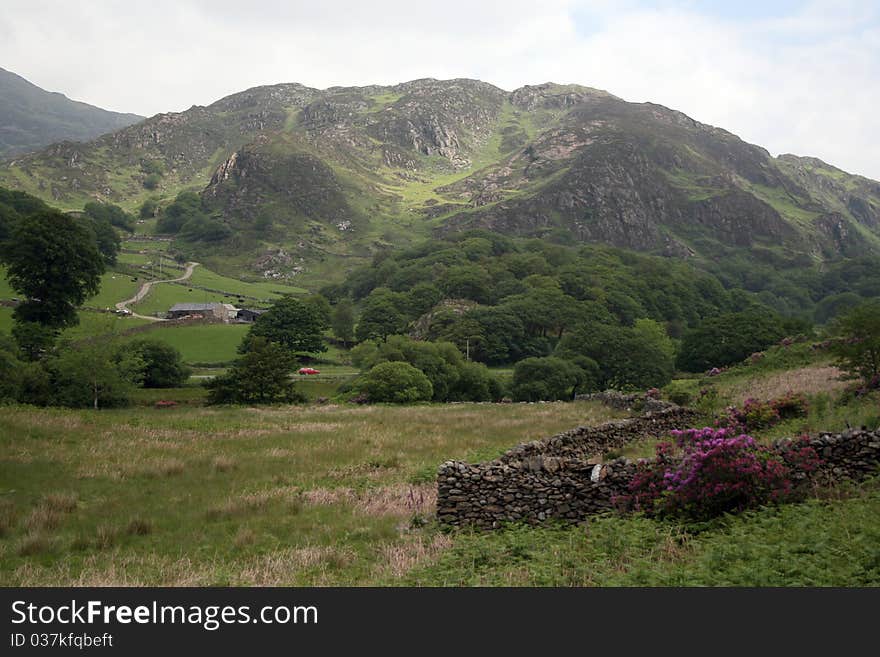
[[304, 176], [31, 118]]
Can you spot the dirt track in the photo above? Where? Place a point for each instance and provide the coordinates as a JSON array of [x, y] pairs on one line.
[[145, 289]]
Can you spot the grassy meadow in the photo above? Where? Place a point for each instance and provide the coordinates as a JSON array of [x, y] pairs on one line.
[[344, 495]]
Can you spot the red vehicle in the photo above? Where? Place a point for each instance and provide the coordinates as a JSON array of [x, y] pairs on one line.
[[308, 370]]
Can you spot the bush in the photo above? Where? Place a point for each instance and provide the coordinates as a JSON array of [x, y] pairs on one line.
[[152, 181], [729, 339], [791, 405], [757, 415], [858, 350], [261, 375], [715, 471], [545, 379], [162, 364], [396, 382]]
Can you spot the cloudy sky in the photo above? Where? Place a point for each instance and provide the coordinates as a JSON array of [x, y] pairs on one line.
[[793, 76]]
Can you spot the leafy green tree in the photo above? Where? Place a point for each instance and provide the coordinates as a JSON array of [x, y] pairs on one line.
[[321, 307], [89, 376], [422, 297], [162, 364], [34, 340], [396, 382], [186, 206], [653, 334], [106, 238], [379, 319], [112, 214], [502, 333], [152, 180], [474, 383], [545, 379], [467, 282], [260, 376], [342, 320], [291, 323], [858, 350], [728, 339], [148, 209], [627, 358], [54, 262]]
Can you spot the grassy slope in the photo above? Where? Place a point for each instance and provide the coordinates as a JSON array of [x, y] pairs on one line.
[[276, 496]]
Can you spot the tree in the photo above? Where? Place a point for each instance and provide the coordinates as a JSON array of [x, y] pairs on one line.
[[858, 350], [90, 376], [148, 209], [321, 307], [162, 364], [396, 382], [293, 324], [628, 358], [106, 238], [54, 262], [379, 319], [261, 376], [551, 378], [728, 339], [342, 320], [112, 214]]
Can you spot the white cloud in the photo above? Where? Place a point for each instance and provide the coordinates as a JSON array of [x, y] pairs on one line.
[[804, 83]]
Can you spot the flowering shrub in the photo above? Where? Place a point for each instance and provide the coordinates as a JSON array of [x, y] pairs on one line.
[[707, 472], [800, 457], [753, 416], [756, 415], [790, 405]]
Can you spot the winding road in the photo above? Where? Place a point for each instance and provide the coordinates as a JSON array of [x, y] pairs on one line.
[[145, 289]]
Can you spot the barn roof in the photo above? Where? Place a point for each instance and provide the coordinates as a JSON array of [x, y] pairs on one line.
[[192, 307]]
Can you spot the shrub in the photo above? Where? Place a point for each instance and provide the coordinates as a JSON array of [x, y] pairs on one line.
[[545, 379], [708, 472], [757, 415], [162, 364], [791, 405], [152, 181], [396, 382]]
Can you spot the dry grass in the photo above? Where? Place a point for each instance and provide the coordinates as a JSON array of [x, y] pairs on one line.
[[253, 502], [397, 559], [244, 537], [8, 518], [223, 464], [42, 518], [283, 567], [61, 502], [139, 527], [396, 500], [808, 380], [33, 543], [106, 537]]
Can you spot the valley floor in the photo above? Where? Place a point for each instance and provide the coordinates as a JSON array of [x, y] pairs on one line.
[[344, 495]]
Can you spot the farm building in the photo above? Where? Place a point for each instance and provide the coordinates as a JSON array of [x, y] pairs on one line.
[[249, 314], [221, 311]]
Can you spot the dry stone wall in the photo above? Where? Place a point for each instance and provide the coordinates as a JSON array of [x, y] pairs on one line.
[[565, 478]]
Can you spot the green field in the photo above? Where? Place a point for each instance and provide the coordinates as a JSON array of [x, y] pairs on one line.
[[344, 495], [200, 343], [114, 288], [203, 277]]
